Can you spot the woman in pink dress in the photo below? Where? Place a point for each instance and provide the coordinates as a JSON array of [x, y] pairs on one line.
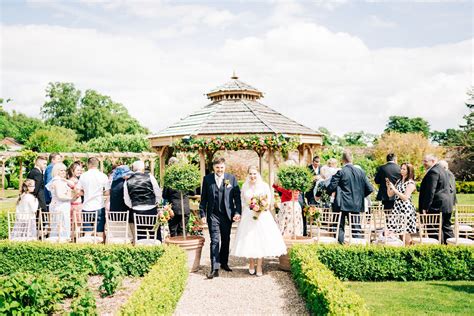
[[73, 173]]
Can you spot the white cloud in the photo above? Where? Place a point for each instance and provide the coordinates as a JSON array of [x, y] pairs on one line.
[[307, 72], [375, 21]]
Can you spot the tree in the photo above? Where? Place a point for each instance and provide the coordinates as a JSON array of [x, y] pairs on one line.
[[360, 139], [119, 142], [17, 125], [328, 138], [60, 108], [409, 147], [452, 137], [52, 139], [404, 124]]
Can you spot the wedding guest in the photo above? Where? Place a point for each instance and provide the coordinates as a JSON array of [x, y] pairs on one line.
[[117, 202], [73, 174], [315, 168], [95, 186], [48, 175], [285, 216], [174, 197], [391, 171], [403, 205], [142, 193], [452, 180], [26, 207], [36, 174], [61, 196], [351, 186], [435, 194], [327, 171]]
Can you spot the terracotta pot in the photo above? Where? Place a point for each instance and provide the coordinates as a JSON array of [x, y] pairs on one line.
[[289, 241], [193, 247]]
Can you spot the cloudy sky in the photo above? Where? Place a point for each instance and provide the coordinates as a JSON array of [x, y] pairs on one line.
[[344, 65]]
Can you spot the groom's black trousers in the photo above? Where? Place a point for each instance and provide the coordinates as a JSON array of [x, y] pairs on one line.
[[219, 228]]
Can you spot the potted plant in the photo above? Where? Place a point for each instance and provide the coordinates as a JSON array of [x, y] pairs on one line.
[[184, 177], [297, 179]]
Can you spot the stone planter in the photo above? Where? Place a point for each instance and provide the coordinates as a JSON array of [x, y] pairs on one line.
[[289, 241], [193, 247]]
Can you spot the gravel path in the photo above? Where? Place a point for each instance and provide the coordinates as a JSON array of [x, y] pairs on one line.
[[238, 293]]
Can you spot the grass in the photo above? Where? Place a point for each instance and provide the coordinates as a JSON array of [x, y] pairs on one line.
[[417, 298]]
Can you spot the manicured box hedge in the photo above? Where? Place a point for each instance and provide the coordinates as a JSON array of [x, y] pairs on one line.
[[323, 292], [162, 287], [417, 263]]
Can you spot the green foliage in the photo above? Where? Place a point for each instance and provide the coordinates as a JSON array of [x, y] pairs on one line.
[[118, 143], [52, 139], [328, 138], [112, 273], [417, 263], [3, 225], [323, 292], [367, 164], [162, 287], [40, 257], [360, 139], [18, 125], [465, 187], [452, 137], [182, 177], [84, 304], [26, 294], [404, 124], [295, 178], [61, 105]]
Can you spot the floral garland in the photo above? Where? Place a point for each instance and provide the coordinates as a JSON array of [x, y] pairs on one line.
[[260, 144]]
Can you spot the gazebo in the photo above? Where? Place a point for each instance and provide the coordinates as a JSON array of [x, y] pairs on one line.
[[235, 112]]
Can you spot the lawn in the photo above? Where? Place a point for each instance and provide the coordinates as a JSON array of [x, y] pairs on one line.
[[417, 298]]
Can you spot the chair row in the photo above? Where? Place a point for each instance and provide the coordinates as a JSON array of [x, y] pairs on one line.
[[55, 227]]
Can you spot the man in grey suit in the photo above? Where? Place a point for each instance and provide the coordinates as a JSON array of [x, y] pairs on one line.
[[351, 186]]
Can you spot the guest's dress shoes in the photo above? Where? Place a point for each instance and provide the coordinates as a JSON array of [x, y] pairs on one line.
[[213, 274], [226, 267]]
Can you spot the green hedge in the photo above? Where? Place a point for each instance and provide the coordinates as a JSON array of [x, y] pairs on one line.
[[162, 287], [3, 225], [39, 257], [417, 263], [323, 292]]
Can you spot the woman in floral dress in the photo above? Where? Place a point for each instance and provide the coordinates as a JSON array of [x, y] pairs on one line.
[[285, 215], [402, 190]]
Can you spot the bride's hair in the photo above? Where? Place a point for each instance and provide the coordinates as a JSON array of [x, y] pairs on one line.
[[259, 183]]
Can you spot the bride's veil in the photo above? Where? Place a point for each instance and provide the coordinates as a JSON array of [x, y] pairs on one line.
[[260, 185]]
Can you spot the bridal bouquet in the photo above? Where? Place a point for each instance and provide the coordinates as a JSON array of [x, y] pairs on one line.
[[165, 214], [258, 204]]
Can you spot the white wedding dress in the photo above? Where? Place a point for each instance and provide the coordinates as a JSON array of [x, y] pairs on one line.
[[257, 238]]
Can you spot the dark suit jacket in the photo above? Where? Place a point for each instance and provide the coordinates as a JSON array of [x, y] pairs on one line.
[[174, 197], [391, 171], [452, 183], [351, 186], [232, 201], [36, 175], [309, 195], [435, 191]]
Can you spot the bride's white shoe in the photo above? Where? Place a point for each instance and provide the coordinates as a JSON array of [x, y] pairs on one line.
[[252, 271], [259, 274]]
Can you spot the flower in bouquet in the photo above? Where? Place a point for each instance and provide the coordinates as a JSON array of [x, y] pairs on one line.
[[258, 204], [311, 211], [165, 214]]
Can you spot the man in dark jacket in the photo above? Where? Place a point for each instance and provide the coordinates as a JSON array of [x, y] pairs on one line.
[[315, 169], [351, 186], [436, 195], [452, 181], [36, 174], [390, 171]]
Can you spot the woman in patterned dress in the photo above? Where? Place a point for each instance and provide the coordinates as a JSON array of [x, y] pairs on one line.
[[402, 190], [285, 215]]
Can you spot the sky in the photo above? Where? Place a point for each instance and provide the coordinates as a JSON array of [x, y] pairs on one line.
[[344, 65]]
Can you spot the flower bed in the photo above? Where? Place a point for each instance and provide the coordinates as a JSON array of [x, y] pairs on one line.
[[37, 277]]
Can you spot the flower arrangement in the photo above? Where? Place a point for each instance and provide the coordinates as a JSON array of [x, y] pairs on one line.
[[311, 211], [253, 142], [277, 202], [258, 204], [194, 225], [165, 214]]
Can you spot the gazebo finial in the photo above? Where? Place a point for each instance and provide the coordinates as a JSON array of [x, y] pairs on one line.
[[234, 76]]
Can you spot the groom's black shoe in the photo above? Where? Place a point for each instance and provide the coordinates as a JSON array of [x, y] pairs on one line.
[[226, 268], [213, 274]]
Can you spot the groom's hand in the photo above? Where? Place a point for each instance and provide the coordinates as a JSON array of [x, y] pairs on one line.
[[203, 220], [236, 218]]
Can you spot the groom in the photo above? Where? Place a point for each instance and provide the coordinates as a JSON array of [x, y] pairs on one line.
[[220, 204]]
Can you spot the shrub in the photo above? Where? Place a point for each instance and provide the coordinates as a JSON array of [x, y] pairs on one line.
[[465, 187], [295, 178], [182, 177], [162, 287], [418, 263], [323, 292], [3, 225], [112, 273], [26, 294], [84, 304]]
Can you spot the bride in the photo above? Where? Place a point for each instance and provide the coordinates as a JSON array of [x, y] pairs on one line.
[[258, 235]]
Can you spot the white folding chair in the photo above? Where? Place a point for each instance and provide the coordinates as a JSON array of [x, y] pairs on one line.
[[466, 236], [86, 228], [117, 229], [360, 229], [429, 225], [146, 232], [53, 228], [327, 229], [395, 226], [22, 226]]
